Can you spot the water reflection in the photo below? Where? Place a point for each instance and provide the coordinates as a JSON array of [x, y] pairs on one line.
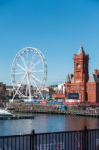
[[46, 123], [77, 123]]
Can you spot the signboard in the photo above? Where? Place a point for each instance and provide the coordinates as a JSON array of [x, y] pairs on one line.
[[73, 96]]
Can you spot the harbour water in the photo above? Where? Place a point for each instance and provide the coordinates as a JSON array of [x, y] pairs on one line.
[[46, 123]]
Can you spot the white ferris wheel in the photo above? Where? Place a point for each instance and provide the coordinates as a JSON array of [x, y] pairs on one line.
[[29, 73]]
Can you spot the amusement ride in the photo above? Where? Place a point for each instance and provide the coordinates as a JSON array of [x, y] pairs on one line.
[[28, 74]]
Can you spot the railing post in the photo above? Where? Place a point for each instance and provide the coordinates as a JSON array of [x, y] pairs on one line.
[[32, 140], [85, 139]]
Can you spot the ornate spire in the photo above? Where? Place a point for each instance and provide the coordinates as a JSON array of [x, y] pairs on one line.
[[67, 78], [81, 51]]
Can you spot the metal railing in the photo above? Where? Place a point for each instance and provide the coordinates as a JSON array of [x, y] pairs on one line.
[[69, 140]]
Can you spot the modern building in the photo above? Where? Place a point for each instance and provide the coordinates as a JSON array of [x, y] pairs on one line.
[[80, 86]]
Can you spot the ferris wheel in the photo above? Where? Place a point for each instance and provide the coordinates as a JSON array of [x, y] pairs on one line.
[[28, 73]]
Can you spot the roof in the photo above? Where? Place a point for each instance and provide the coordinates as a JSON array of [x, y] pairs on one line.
[[81, 50], [67, 78], [91, 79], [94, 78]]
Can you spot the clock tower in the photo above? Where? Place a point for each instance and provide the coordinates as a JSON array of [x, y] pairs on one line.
[[81, 61], [79, 87]]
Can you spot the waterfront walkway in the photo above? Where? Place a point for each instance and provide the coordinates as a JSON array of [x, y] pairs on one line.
[[56, 109]]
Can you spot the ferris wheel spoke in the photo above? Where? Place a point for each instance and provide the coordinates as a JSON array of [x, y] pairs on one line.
[[35, 78], [29, 88], [21, 67], [21, 93], [23, 61], [21, 79], [35, 85], [38, 71], [37, 63], [18, 73], [32, 64], [20, 85]]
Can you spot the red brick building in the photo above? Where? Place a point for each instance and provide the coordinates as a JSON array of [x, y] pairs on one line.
[[80, 84]]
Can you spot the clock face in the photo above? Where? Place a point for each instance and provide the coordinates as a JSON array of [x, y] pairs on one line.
[[78, 66]]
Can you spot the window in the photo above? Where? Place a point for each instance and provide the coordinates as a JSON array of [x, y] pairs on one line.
[[97, 75]]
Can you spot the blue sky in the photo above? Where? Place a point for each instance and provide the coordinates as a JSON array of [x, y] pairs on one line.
[[56, 27]]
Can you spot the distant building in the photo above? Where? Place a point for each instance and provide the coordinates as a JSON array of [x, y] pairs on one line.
[[9, 92], [2, 93], [80, 85], [57, 91], [58, 96]]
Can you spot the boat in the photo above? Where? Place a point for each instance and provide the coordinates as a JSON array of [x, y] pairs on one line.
[[5, 113]]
